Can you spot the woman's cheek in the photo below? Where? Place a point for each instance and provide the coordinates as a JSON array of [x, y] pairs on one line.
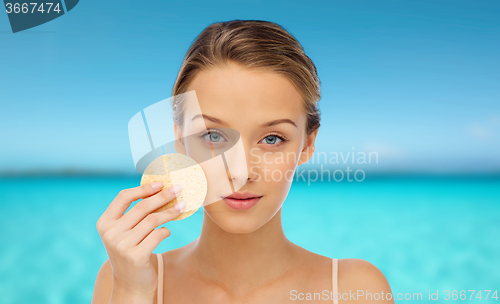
[[278, 170], [218, 183]]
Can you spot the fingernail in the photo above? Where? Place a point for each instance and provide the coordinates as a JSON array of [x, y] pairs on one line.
[[176, 189], [157, 185], [180, 206]]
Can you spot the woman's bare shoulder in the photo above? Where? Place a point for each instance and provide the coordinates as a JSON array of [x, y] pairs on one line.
[[357, 276], [351, 272]]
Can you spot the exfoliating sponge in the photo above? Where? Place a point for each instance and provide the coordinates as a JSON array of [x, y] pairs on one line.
[[175, 168]]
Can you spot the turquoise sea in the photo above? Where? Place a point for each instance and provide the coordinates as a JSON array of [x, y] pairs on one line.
[[425, 233]]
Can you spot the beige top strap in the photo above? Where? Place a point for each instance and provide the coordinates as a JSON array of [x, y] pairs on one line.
[[160, 279], [335, 263]]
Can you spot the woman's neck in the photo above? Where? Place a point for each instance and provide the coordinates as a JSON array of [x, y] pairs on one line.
[[239, 261]]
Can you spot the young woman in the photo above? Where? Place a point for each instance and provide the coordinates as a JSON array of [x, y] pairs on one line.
[[254, 77]]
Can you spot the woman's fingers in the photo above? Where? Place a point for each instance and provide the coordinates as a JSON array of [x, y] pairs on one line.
[[125, 198], [142, 232], [147, 206], [131, 238]]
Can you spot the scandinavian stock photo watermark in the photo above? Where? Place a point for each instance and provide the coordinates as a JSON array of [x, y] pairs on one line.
[[364, 295], [326, 166]]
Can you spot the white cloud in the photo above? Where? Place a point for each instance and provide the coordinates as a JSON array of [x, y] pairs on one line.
[[478, 131], [495, 120], [486, 130]]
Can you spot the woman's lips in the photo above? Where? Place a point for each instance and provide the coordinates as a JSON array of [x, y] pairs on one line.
[[241, 204]]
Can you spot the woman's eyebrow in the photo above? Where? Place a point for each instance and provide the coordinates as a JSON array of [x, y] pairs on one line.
[[277, 122], [266, 124], [213, 119]]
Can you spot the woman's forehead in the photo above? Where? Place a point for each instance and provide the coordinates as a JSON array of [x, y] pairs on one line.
[[234, 93]]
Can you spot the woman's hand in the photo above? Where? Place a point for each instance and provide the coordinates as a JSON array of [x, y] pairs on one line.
[[130, 238]]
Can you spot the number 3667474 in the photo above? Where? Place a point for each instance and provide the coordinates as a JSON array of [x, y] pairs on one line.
[[32, 8]]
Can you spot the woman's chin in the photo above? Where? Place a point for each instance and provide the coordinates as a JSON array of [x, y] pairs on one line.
[[236, 224], [236, 221]]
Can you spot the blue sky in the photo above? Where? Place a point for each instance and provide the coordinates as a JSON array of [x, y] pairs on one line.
[[415, 81]]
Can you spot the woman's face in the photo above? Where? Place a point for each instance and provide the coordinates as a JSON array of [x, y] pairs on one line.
[[267, 111]]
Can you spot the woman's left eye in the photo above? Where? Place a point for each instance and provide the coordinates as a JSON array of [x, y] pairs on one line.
[[272, 139]]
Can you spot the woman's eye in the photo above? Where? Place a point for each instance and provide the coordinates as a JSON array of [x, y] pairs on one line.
[[272, 140], [214, 137]]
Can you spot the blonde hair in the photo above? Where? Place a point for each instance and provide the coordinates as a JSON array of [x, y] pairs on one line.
[[254, 44]]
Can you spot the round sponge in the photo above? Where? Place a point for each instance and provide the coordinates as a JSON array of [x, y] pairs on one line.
[[175, 168]]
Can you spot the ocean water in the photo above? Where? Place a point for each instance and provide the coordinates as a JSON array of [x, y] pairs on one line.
[[424, 233]]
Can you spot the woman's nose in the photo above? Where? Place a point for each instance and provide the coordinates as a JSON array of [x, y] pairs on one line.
[[239, 166]]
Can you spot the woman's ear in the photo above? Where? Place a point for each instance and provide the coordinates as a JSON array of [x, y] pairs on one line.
[[308, 150], [180, 147]]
